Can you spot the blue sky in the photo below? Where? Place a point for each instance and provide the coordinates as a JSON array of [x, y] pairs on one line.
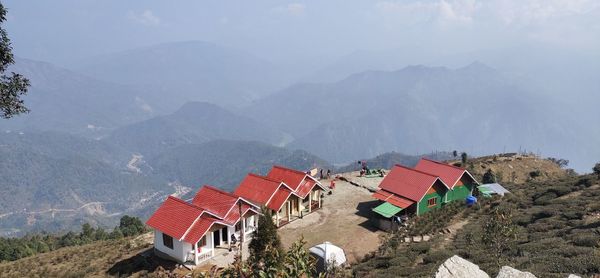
[[63, 31]]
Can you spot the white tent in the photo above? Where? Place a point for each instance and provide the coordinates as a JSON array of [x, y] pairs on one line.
[[327, 253]]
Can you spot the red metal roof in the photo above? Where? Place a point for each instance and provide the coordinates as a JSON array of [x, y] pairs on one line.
[[449, 174], [291, 177], [392, 198], [199, 229], [282, 194], [215, 200], [257, 189], [234, 215], [408, 183], [305, 187], [174, 217]]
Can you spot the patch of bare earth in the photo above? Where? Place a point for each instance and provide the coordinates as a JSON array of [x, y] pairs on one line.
[[343, 221], [515, 168]]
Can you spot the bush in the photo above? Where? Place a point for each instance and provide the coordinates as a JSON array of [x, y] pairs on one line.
[[437, 257], [535, 174], [587, 240], [560, 190], [420, 247]]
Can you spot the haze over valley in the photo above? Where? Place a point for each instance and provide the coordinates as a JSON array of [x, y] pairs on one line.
[[204, 96]]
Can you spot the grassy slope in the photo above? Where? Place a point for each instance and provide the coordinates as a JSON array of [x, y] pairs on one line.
[[100, 259]]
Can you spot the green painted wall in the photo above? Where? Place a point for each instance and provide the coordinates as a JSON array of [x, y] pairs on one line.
[[422, 205], [460, 192]]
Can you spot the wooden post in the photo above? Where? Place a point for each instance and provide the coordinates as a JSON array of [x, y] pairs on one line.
[[309, 201], [299, 206], [212, 242], [319, 192], [242, 230], [289, 213], [196, 253]]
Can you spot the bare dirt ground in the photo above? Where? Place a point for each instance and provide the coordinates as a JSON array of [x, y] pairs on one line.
[[343, 221]]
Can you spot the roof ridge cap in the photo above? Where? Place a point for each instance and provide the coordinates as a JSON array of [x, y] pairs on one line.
[[264, 177], [289, 169], [443, 164], [219, 190], [418, 171], [185, 203]]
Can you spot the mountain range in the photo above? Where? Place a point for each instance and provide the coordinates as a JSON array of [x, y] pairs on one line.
[[193, 123], [175, 73], [68, 101], [113, 136], [420, 109]]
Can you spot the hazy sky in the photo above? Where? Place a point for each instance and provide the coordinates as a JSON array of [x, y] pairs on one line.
[[63, 31]]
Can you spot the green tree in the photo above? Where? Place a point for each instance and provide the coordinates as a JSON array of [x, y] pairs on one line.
[[12, 86], [298, 262], [596, 169], [500, 232], [463, 158], [131, 226], [454, 153], [489, 177], [265, 247]]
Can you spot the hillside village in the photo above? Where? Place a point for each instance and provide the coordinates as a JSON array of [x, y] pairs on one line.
[[197, 235]]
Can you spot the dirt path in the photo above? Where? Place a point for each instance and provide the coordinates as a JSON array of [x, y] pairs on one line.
[[343, 221], [453, 228]]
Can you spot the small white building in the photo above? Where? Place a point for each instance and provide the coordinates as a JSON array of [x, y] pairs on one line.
[[190, 232]]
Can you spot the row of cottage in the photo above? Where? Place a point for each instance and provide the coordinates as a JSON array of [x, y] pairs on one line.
[[191, 231]]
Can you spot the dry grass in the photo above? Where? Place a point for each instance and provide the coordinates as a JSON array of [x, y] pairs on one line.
[[516, 169], [91, 260]]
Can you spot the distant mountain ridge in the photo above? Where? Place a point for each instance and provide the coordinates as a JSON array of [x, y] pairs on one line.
[[388, 160], [190, 71], [193, 123], [419, 109], [63, 100], [224, 163]]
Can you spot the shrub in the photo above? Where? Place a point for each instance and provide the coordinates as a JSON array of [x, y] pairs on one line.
[[535, 174], [587, 240], [437, 257], [560, 190], [420, 247]]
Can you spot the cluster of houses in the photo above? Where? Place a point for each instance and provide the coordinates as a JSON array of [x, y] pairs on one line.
[[415, 191], [191, 231]]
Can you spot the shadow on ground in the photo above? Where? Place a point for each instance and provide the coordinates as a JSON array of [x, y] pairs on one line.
[[144, 261], [364, 209]]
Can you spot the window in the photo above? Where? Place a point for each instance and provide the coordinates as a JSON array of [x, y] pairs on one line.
[[238, 226], [432, 202], [167, 241]]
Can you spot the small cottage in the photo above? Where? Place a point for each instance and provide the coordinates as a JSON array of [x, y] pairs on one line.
[[190, 232], [460, 181]]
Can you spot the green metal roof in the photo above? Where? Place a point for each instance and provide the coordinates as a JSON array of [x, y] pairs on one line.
[[387, 210]]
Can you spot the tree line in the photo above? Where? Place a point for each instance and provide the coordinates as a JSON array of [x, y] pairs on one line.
[[16, 248]]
